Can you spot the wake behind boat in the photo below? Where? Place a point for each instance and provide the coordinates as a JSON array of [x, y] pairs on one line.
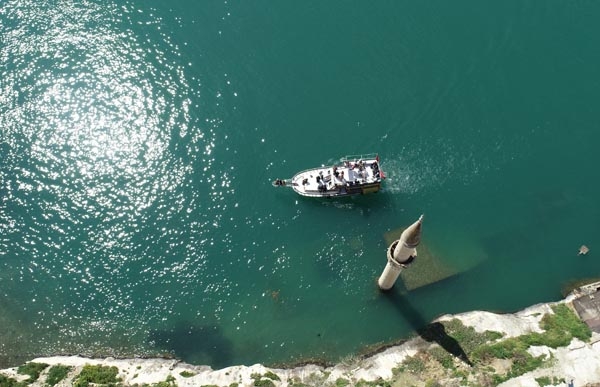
[[353, 175]]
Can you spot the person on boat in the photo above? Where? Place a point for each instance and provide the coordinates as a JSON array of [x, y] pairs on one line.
[[361, 165], [321, 183], [340, 182]]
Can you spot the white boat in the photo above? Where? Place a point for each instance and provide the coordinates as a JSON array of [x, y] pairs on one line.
[[353, 175]]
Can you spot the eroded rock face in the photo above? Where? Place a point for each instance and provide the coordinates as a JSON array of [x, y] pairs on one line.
[[511, 325]]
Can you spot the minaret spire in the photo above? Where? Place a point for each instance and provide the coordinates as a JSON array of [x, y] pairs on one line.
[[400, 254]]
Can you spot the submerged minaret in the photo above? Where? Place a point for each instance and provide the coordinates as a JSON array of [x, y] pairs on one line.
[[400, 254]]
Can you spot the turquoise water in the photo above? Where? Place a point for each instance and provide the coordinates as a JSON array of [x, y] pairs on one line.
[[138, 142]]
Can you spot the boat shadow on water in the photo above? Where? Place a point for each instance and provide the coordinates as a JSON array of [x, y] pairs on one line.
[[371, 201]]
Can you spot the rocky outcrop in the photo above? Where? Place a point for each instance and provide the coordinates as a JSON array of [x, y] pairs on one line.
[[579, 361]]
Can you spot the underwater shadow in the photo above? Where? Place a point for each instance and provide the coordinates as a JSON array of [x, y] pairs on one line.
[[431, 332], [367, 205], [195, 343]]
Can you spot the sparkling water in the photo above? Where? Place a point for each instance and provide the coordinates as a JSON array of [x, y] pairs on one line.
[[138, 143]]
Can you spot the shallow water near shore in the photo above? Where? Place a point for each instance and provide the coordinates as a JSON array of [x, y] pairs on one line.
[[138, 144]]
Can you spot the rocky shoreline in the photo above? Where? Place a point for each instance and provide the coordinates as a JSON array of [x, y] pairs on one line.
[[577, 363]]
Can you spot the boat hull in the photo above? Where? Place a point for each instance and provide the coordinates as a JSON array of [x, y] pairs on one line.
[[354, 175]]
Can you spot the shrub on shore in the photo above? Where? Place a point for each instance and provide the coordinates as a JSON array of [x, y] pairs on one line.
[[33, 370], [187, 374], [97, 374], [10, 382], [57, 373], [481, 349]]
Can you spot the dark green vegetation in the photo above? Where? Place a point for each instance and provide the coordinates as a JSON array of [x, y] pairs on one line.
[[547, 381], [9, 382], [97, 375], [265, 380], [559, 329], [413, 364], [482, 349], [341, 382], [263, 383], [187, 374], [271, 375], [57, 373], [33, 370], [90, 375]]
